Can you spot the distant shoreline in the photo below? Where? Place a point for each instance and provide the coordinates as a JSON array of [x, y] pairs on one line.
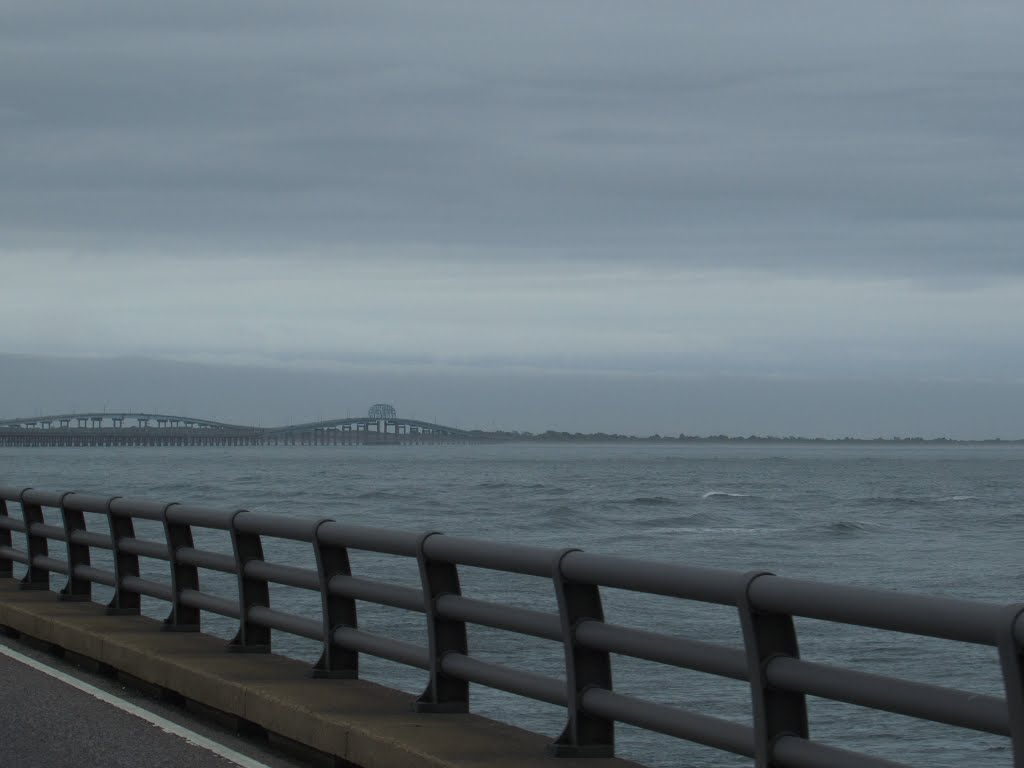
[[600, 437]]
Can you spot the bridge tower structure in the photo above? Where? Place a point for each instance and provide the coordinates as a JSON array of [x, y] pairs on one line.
[[383, 414]]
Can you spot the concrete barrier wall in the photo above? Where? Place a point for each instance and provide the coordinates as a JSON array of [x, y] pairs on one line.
[[357, 722]]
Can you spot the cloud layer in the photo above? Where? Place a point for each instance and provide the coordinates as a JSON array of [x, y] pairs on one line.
[[865, 137], [791, 191]]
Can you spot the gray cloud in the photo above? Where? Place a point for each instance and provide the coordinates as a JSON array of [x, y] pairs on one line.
[[804, 137], [613, 317]]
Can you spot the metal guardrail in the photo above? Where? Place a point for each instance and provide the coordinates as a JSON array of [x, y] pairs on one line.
[[769, 659]]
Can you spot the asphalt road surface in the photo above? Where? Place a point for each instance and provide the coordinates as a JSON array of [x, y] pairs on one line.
[[47, 722]]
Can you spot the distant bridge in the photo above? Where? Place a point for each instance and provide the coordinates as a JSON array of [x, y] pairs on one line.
[[381, 426]]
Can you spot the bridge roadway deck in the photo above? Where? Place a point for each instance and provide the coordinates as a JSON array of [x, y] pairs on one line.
[[359, 722], [48, 723]]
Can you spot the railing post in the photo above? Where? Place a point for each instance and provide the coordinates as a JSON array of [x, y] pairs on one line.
[[336, 610], [125, 564], [585, 735], [182, 618], [76, 589], [6, 566], [251, 638], [443, 694], [1011, 660], [766, 636], [35, 577]]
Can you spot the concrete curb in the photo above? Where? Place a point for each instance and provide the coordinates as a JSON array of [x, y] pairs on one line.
[[362, 723]]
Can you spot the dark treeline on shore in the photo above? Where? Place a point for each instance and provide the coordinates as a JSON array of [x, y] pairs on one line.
[[605, 437]]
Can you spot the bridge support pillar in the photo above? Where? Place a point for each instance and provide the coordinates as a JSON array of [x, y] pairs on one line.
[[182, 618], [252, 592], [766, 636], [35, 577], [338, 611], [6, 566], [125, 564], [585, 735], [1011, 660], [76, 589], [444, 694]]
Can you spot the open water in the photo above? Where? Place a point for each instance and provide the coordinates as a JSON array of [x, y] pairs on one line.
[[942, 520]]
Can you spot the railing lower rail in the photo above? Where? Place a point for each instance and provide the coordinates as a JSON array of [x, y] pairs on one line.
[[768, 659]]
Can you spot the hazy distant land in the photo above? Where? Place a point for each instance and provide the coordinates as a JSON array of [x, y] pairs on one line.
[[604, 437]]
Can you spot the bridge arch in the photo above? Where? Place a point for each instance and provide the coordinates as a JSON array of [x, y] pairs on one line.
[[383, 412]]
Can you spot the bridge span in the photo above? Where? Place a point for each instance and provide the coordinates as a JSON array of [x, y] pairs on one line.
[[381, 426]]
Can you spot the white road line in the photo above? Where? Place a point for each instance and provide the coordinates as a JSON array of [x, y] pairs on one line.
[[162, 723]]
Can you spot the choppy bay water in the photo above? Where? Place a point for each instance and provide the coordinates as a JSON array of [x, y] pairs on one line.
[[944, 520]]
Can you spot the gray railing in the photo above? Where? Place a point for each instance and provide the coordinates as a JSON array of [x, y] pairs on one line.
[[769, 659]]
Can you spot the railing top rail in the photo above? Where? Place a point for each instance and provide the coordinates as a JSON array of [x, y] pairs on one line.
[[498, 556], [204, 517], [42, 498], [87, 502], [144, 510], [709, 585], [969, 621], [369, 538], [281, 526], [11, 492]]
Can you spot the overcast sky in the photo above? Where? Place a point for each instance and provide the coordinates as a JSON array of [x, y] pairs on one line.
[[791, 197]]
